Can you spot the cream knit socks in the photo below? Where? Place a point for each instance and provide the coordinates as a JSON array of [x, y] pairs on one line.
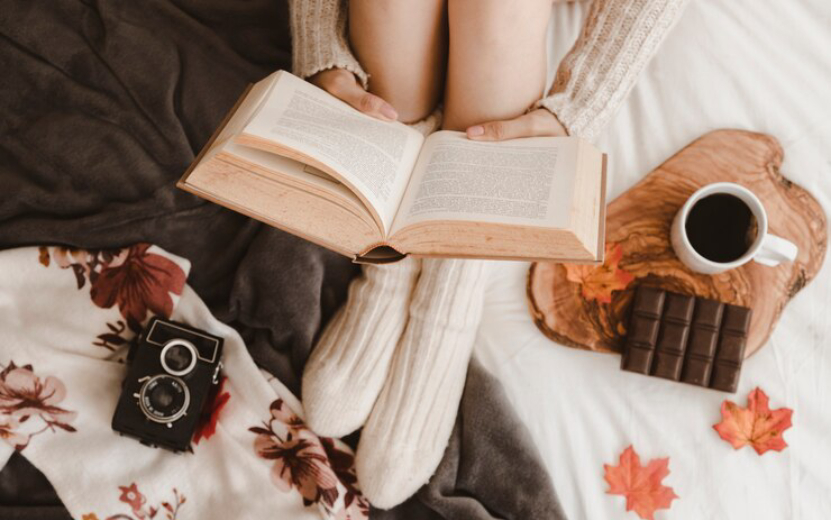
[[407, 432], [406, 388], [349, 364]]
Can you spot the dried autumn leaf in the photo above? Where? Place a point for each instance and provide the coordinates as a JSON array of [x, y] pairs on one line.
[[599, 281], [756, 425], [641, 485]]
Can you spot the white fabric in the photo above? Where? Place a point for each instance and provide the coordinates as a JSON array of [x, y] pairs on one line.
[[348, 367], [761, 66], [50, 329], [406, 434]]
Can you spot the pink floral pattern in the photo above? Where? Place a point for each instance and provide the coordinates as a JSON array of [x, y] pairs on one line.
[[355, 506], [134, 498], [138, 283], [9, 431], [29, 405], [315, 467], [132, 279], [131, 496]]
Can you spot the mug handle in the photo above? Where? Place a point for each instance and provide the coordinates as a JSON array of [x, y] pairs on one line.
[[775, 250]]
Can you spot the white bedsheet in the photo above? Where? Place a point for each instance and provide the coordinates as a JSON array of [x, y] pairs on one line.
[[751, 64]]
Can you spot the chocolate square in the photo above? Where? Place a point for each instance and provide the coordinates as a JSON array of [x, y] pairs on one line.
[[697, 371], [731, 349], [678, 307], [667, 365], [736, 319], [673, 337], [637, 359], [649, 301], [702, 342], [643, 331], [708, 313], [725, 377]]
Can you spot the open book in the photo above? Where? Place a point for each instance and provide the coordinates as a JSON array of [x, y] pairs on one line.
[[297, 158]]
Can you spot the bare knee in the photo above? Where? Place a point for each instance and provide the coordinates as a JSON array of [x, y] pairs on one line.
[[496, 64], [403, 46]]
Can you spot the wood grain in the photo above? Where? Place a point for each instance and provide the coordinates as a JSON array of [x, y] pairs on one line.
[[639, 221]]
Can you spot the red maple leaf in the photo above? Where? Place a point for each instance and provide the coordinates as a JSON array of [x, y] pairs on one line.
[[756, 425], [641, 485]]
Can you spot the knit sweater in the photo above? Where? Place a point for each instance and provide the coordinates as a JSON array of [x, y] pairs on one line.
[[617, 40]]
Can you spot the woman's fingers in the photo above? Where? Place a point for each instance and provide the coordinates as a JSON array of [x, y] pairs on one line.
[[343, 85], [538, 122]]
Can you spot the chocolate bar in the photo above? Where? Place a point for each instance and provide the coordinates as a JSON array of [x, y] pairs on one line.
[[672, 338], [643, 330], [730, 354], [686, 338], [703, 342]]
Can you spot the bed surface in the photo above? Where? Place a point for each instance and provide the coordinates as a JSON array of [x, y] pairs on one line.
[[760, 66]]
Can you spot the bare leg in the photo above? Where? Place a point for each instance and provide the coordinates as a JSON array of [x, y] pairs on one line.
[[402, 44], [496, 66]]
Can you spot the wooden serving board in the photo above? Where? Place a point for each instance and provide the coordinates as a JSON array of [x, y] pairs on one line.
[[586, 306]]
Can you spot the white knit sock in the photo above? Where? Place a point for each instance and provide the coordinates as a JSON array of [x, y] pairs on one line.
[[349, 365], [407, 431]]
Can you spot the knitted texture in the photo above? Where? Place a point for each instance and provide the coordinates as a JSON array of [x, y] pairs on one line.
[[617, 40], [319, 39], [348, 366], [403, 441]]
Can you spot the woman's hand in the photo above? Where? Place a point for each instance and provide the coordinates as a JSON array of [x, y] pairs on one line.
[[344, 85], [539, 122]]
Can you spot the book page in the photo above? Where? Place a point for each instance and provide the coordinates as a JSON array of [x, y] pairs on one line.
[[526, 182], [305, 175], [373, 156]]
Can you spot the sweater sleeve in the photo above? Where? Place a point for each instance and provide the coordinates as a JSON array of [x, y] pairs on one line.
[[319, 40], [617, 41]]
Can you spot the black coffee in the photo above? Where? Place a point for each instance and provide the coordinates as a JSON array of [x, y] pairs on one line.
[[721, 227]]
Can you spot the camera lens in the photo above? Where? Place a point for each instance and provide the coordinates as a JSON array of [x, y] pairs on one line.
[[164, 398], [178, 357]]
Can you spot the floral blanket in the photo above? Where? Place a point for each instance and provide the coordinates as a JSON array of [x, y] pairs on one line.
[[66, 319]]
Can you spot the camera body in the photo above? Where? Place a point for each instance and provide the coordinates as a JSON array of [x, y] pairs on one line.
[[172, 368]]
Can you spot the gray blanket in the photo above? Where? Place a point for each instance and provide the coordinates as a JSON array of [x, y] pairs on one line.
[[104, 103]]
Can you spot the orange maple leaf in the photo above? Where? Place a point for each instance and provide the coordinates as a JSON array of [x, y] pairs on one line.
[[756, 425], [598, 281], [641, 485]]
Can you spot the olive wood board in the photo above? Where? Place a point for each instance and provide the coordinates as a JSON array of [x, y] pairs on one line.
[[586, 306]]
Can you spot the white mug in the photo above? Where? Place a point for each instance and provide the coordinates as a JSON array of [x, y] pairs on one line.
[[766, 249]]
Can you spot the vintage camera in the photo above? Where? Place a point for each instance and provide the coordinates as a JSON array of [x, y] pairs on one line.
[[172, 370]]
